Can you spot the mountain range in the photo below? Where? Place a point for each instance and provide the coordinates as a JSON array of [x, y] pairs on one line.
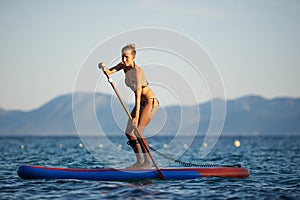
[[248, 115]]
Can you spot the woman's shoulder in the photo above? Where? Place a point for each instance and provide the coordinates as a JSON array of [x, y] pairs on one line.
[[138, 69], [119, 66]]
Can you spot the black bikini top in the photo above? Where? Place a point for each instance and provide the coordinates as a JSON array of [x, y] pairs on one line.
[[131, 79]]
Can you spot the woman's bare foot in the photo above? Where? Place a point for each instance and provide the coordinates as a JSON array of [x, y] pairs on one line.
[[146, 165], [140, 165], [136, 165]]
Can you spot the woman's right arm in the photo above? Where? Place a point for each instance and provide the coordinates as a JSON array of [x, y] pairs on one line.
[[114, 69]]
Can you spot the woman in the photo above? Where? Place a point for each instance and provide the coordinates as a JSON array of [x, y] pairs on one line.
[[146, 103]]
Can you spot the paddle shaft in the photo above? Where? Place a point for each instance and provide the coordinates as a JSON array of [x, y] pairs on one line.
[[139, 135]]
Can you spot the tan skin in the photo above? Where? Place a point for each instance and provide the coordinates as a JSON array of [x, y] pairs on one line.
[[140, 118]]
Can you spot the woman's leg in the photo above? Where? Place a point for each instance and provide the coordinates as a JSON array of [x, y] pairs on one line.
[[136, 147], [145, 117]]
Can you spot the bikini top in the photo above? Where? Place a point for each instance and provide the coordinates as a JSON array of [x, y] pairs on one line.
[[131, 80]]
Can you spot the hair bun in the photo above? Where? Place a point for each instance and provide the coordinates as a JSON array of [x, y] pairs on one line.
[[131, 45]]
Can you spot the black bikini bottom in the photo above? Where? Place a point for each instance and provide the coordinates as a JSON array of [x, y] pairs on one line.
[[144, 102]]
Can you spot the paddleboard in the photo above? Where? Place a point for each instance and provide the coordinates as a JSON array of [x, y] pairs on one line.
[[110, 174]]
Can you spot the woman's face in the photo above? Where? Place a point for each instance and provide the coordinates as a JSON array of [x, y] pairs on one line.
[[128, 58]]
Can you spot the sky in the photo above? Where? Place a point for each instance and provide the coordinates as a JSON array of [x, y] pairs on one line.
[[255, 45]]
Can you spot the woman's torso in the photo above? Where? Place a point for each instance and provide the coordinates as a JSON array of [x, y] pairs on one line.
[[135, 78]]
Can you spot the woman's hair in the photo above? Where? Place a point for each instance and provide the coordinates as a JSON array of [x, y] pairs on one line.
[[130, 47]]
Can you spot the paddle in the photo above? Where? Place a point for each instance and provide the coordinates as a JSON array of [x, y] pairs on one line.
[[143, 142]]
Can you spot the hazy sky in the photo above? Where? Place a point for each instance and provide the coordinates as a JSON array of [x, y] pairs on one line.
[[255, 44]]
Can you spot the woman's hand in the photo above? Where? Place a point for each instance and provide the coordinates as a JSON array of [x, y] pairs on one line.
[[102, 66], [135, 121]]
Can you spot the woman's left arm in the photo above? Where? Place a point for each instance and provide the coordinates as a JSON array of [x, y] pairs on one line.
[[138, 93]]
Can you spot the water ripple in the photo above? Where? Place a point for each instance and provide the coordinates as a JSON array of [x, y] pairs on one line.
[[273, 164]]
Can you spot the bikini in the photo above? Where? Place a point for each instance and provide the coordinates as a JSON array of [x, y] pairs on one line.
[[144, 103], [131, 83]]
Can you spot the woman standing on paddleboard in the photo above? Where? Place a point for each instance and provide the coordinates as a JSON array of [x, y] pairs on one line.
[[146, 103]]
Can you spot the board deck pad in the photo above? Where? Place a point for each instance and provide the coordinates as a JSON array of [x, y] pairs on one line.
[[111, 174]]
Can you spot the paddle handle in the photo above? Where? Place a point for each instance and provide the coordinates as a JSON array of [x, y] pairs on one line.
[[144, 143]]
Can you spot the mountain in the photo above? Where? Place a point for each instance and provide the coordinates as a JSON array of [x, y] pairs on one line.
[[244, 116], [258, 115]]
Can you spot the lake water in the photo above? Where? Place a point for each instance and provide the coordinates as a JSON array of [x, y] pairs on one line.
[[273, 164]]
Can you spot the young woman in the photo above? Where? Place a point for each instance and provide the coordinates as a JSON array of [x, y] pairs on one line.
[[146, 103]]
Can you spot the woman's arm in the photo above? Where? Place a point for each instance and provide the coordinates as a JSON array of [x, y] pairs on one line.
[[138, 94], [112, 70]]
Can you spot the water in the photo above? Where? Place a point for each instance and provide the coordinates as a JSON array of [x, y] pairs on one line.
[[273, 164]]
